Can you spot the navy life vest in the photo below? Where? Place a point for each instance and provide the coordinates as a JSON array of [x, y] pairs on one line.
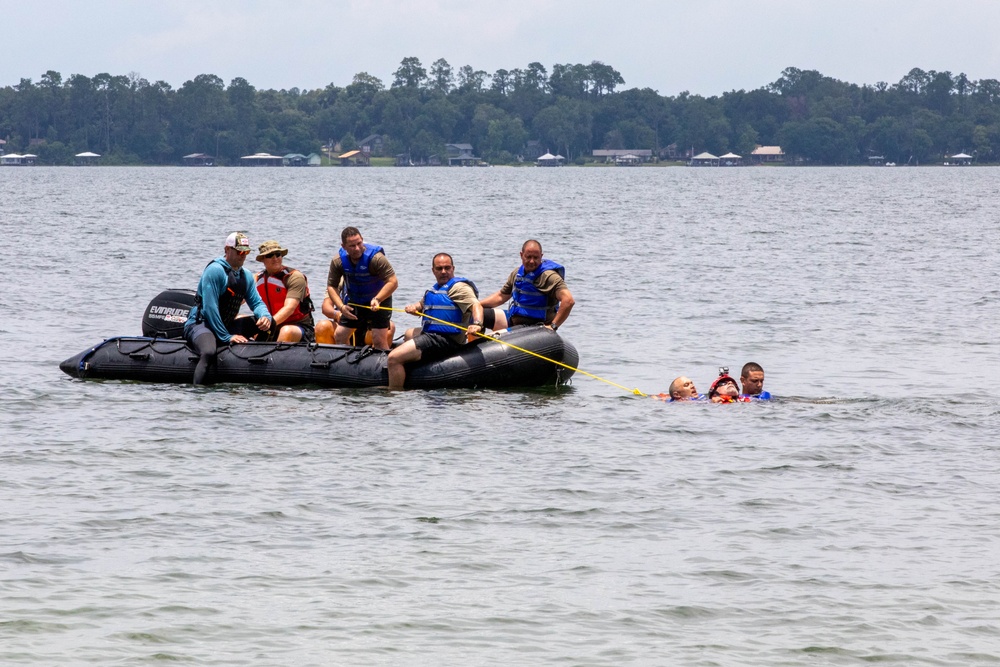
[[438, 305], [359, 284], [527, 301], [230, 300]]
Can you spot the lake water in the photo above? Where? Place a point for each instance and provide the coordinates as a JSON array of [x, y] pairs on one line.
[[854, 520]]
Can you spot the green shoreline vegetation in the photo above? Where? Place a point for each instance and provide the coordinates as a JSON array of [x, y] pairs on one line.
[[507, 117]]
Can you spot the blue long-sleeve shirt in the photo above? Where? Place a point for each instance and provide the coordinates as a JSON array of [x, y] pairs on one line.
[[213, 283]]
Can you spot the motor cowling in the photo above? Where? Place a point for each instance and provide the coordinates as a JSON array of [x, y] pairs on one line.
[[167, 312]]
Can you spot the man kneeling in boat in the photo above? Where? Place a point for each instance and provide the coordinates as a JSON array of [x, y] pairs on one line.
[[223, 288], [369, 281], [449, 302], [285, 292], [539, 292]]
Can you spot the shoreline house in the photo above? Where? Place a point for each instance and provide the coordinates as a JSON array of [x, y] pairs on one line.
[[294, 160], [86, 159], [373, 144], [767, 154], [550, 160], [959, 160], [705, 159], [461, 155], [614, 155], [354, 158], [199, 160], [16, 160], [261, 160], [731, 160]]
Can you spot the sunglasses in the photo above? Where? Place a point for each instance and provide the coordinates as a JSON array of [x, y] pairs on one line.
[[272, 255], [242, 253]]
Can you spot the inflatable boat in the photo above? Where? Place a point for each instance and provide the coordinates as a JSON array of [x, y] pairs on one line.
[[522, 357]]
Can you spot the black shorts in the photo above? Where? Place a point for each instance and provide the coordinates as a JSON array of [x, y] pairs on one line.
[[368, 318], [489, 319], [435, 346], [308, 333]]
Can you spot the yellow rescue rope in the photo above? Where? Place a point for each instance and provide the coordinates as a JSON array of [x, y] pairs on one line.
[[502, 341]]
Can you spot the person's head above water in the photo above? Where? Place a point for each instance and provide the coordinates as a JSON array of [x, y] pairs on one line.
[[724, 386], [683, 388], [752, 379]]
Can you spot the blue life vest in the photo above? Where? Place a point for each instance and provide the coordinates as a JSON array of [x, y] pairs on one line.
[[438, 305], [762, 396], [527, 301], [230, 300], [699, 397], [361, 286]]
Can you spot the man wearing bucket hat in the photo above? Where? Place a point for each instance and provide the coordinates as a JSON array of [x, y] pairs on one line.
[[285, 292], [223, 288]]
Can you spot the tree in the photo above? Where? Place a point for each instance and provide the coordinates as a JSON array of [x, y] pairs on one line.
[[410, 74], [470, 79], [820, 139], [504, 137], [605, 78], [364, 87], [501, 81], [535, 76], [442, 78], [204, 112]]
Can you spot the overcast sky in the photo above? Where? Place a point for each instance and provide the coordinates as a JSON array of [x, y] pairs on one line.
[[702, 46]]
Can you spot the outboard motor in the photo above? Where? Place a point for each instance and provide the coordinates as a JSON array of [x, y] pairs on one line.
[[166, 314]]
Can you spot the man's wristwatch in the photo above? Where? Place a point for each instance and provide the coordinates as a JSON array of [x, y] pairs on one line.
[[555, 327], [475, 323]]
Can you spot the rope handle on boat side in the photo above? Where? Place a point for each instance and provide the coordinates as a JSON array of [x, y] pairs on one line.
[[636, 392]]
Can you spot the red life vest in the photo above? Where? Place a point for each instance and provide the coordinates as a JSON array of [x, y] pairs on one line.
[[274, 289], [734, 399]]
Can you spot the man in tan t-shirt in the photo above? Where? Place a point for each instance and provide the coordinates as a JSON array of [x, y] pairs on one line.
[[285, 292], [369, 281], [539, 292]]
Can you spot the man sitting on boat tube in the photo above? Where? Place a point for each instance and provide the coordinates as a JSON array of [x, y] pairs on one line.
[[285, 292], [450, 301], [539, 292], [223, 288]]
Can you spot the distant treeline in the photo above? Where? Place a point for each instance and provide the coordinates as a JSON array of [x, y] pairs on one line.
[[571, 109]]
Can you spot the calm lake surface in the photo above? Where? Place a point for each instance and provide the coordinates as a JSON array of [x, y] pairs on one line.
[[854, 520]]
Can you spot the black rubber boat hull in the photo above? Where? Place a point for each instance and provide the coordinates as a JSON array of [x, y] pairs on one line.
[[482, 364]]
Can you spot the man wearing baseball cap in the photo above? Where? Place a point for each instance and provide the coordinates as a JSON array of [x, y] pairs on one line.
[[223, 288]]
